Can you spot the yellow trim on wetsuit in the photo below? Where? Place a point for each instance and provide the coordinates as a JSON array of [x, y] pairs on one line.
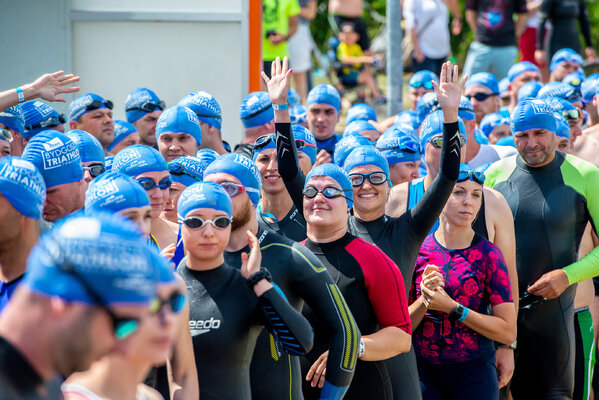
[[351, 337], [317, 269]]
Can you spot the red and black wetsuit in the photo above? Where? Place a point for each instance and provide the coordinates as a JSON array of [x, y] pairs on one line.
[[374, 290]]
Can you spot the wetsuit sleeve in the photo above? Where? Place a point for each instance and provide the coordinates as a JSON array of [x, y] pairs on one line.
[[289, 328], [497, 285], [427, 211], [288, 163], [316, 287], [543, 14], [585, 25], [384, 284]]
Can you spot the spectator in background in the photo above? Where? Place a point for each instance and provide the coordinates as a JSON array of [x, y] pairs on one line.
[[351, 10], [279, 23], [143, 110], [426, 25], [494, 46], [300, 48]]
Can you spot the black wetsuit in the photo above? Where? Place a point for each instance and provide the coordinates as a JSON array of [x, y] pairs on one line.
[[293, 226], [302, 277], [225, 319], [374, 289], [245, 150], [564, 15], [551, 206], [19, 380], [400, 238]]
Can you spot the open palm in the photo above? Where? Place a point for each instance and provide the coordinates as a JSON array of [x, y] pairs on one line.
[[449, 91], [279, 82]]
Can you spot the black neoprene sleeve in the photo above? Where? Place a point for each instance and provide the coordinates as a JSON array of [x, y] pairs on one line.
[[289, 169], [543, 15], [585, 25]]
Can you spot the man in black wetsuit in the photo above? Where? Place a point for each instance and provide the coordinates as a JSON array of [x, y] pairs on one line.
[[301, 277], [552, 197]]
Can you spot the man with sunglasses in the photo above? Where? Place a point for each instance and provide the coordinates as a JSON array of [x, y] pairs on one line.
[[91, 153], [257, 116], [552, 197], [143, 109], [210, 116], [482, 89], [178, 133], [88, 283], [299, 274], [420, 83], [57, 158], [39, 117], [93, 114]]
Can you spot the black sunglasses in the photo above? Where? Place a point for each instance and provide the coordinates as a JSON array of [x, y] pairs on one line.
[[329, 192], [95, 170], [376, 178], [50, 122], [94, 105], [263, 141], [197, 222], [475, 176], [480, 96], [148, 106], [178, 170], [175, 302], [149, 184]]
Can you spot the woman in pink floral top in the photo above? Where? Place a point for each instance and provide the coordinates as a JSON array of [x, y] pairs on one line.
[[460, 302]]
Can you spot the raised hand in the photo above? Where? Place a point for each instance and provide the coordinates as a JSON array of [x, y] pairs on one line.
[[279, 82], [250, 264], [49, 86], [449, 91]]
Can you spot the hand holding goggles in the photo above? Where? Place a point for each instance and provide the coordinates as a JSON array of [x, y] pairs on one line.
[[149, 184], [197, 222], [148, 106]]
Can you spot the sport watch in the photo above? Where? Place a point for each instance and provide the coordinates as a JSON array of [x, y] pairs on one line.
[[256, 277]]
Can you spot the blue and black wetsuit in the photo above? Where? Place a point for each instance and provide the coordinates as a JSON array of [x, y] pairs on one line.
[[551, 205], [225, 319], [302, 278]]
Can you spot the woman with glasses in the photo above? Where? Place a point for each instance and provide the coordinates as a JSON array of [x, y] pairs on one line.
[[229, 307], [459, 276], [147, 166], [399, 238]]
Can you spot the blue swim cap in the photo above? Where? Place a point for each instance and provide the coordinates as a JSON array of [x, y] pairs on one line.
[[13, 118], [137, 99], [105, 250], [589, 89], [408, 117], [503, 86], [122, 129], [241, 168], [521, 67], [89, 147], [367, 155], [433, 125], [206, 156], [485, 79], [338, 174], [360, 111], [529, 89], [23, 186], [422, 76], [506, 141], [357, 127], [179, 119], [465, 110], [268, 145], [324, 94], [256, 110], [558, 105], [37, 117], [297, 114], [492, 121], [532, 114], [293, 97], [399, 149], [564, 55], [559, 89], [56, 156], [562, 127], [78, 106], [186, 170], [301, 133], [205, 106], [114, 192], [574, 79], [204, 195], [108, 163], [400, 130], [138, 159], [425, 106], [346, 145], [479, 137]]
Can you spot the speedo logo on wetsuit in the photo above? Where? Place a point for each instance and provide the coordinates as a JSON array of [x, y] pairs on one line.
[[199, 327]]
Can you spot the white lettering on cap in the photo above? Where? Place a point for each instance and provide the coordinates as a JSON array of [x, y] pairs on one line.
[[52, 144]]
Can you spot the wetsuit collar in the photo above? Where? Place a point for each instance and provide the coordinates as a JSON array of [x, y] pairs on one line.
[[324, 247], [554, 164]]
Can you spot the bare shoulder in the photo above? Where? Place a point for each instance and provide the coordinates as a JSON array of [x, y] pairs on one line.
[[587, 145], [496, 207], [147, 393], [398, 200]]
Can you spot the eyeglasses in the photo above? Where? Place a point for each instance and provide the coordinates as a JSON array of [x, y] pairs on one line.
[[480, 96], [571, 114], [376, 178], [437, 141], [418, 84], [175, 302], [123, 326], [6, 135], [149, 184], [148, 106], [197, 222], [178, 169], [95, 170], [94, 105], [329, 192], [475, 176], [50, 122], [234, 189]]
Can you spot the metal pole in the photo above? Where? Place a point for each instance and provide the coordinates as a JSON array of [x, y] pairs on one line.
[[394, 58]]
